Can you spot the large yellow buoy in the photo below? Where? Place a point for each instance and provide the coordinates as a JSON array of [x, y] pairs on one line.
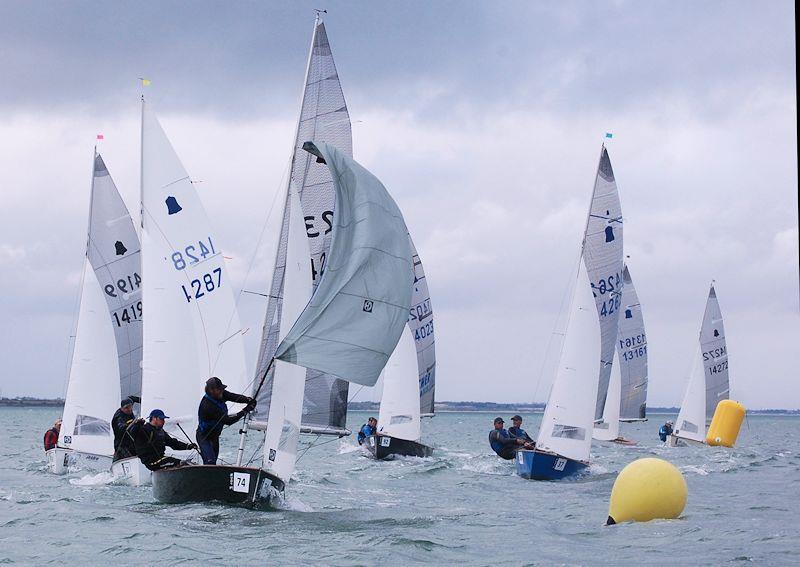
[[645, 490], [725, 425]]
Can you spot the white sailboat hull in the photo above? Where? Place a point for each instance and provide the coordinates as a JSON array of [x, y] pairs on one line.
[[676, 441], [131, 472], [58, 460]]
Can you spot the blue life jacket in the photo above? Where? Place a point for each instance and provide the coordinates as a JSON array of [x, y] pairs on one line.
[[497, 447], [365, 431], [207, 424], [517, 432], [663, 432]]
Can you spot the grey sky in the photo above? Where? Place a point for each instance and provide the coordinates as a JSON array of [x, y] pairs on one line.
[[483, 119]]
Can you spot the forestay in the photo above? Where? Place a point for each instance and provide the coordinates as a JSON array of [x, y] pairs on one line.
[[568, 417], [632, 354], [323, 117], [421, 325], [361, 305], [192, 331], [106, 359], [602, 253], [399, 412]]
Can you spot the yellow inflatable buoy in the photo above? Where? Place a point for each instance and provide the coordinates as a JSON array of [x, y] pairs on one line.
[[645, 490], [725, 425]]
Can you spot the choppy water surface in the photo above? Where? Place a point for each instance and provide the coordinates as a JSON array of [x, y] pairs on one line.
[[463, 505]]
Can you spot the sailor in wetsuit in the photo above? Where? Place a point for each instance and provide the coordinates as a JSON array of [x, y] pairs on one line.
[[502, 443], [150, 441], [517, 432], [369, 428], [123, 417], [665, 431], [213, 415]]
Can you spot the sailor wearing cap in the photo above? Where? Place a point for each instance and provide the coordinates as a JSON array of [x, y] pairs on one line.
[[151, 441], [212, 416], [516, 430], [665, 431], [502, 443], [123, 417]]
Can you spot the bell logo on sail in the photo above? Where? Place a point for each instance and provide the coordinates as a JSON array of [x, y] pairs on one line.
[[172, 205], [367, 306], [120, 248]]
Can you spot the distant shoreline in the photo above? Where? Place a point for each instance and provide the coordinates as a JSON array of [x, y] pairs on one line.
[[441, 407]]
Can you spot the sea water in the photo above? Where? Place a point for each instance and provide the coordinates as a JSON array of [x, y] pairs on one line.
[[464, 505]]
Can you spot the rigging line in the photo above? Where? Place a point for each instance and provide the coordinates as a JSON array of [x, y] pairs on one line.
[[315, 444]]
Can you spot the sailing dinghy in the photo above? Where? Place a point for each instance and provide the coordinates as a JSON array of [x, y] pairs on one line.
[[353, 320], [408, 380], [107, 353], [584, 368], [627, 388], [193, 331], [708, 387]]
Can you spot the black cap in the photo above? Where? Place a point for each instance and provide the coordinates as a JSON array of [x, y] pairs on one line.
[[215, 382], [125, 402], [519, 417], [499, 420]]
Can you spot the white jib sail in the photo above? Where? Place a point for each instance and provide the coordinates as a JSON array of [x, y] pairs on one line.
[[108, 346], [192, 331], [288, 383], [691, 422], [608, 428], [93, 390], [569, 416], [399, 412]]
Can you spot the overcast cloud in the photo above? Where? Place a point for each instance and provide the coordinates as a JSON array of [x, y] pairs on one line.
[[484, 120]]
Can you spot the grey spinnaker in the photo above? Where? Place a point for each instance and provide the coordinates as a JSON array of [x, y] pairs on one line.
[[118, 270], [361, 306], [323, 117], [632, 354], [714, 353], [421, 325], [602, 255]]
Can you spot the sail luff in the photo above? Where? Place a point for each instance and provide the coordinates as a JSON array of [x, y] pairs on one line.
[[421, 324], [714, 354]]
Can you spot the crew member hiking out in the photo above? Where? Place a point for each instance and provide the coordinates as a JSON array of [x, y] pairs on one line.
[[369, 428], [502, 443], [151, 441], [123, 417], [665, 431], [51, 436], [517, 432], [213, 415]]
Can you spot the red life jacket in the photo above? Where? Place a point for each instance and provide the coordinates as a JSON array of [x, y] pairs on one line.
[[50, 439]]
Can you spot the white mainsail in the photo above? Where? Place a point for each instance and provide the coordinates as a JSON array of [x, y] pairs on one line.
[[421, 325], [192, 331], [569, 415], [602, 252], [105, 364], [399, 414], [709, 382], [323, 117], [632, 354]]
